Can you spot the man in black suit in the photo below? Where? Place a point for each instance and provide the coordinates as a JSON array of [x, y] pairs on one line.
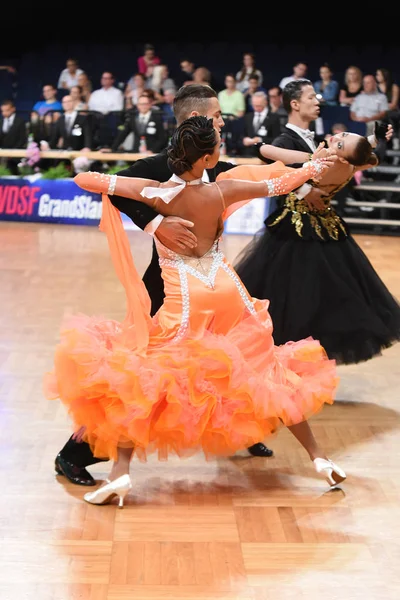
[[189, 101], [302, 106], [72, 130], [261, 126], [143, 123], [13, 133]]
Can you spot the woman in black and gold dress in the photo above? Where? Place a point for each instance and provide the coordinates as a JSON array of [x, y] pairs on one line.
[[318, 280]]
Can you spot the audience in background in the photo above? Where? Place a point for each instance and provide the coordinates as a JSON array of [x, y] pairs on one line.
[[275, 105], [108, 98], [327, 87], [76, 93], [299, 72], [86, 85], [231, 100], [160, 82], [185, 75], [134, 89], [202, 76], [254, 86], [148, 61], [387, 86], [247, 71], [260, 125], [146, 124], [72, 130], [50, 102], [69, 76], [113, 112], [13, 133], [370, 105], [353, 84]]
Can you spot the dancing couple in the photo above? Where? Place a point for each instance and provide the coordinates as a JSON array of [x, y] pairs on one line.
[[202, 374]]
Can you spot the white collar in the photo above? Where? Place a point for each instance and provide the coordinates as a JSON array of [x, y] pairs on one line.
[[263, 113], [296, 128], [145, 116], [168, 194], [304, 134]]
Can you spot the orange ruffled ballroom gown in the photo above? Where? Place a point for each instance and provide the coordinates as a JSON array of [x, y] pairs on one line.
[[202, 374]]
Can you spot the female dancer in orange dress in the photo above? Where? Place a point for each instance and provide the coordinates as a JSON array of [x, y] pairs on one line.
[[203, 373]]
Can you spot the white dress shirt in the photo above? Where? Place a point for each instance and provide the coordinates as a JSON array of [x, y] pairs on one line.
[[70, 120], [305, 135], [308, 137], [259, 117], [144, 119], [106, 100], [7, 123]]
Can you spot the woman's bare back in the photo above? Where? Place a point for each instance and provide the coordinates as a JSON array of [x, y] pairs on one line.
[[203, 205]]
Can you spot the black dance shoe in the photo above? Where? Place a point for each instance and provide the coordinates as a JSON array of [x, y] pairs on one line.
[[260, 450], [73, 473]]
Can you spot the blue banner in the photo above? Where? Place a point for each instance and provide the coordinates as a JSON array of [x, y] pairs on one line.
[[62, 201], [48, 201]]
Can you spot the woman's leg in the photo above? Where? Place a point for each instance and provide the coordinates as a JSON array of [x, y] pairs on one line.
[[121, 465], [118, 482], [302, 432], [333, 474]]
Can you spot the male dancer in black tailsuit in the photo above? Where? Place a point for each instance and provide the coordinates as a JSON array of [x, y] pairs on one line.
[[303, 109], [305, 261], [189, 101]]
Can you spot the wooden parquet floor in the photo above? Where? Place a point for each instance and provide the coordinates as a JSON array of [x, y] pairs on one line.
[[240, 528]]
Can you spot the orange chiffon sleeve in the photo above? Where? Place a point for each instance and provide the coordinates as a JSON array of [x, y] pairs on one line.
[[259, 173], [138, 299]]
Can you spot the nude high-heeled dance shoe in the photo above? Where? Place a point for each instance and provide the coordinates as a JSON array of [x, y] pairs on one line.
[[119, 487], [333, 474]]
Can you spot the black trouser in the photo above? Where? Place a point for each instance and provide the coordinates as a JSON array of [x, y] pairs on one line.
[[79, 453]]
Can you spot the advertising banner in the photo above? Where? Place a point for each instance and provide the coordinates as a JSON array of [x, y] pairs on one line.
[[62, 201], [47, 201]]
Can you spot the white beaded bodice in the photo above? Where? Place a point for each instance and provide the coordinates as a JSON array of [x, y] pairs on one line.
[[204, 268]]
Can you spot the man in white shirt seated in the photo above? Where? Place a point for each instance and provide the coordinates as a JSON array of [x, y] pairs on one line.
[[299, 72], [108, 98], [370, 105]]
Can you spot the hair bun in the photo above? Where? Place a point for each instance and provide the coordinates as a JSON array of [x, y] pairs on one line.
[[177, 163], [192, 139]]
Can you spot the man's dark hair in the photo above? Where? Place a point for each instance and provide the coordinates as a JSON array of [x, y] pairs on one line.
[[8, 102], [293, 91], [192, 97]]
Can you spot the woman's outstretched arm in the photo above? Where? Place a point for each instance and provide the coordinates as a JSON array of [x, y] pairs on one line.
[[239, 185], [128, 187]]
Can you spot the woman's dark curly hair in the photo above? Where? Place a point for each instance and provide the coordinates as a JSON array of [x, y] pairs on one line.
[[194, 138], [362, 154]]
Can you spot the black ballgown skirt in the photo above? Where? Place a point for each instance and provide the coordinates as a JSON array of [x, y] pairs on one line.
[[320, 284]]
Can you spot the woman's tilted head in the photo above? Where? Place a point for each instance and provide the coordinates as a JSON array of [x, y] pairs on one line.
[[194, 139], [354, 148]]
